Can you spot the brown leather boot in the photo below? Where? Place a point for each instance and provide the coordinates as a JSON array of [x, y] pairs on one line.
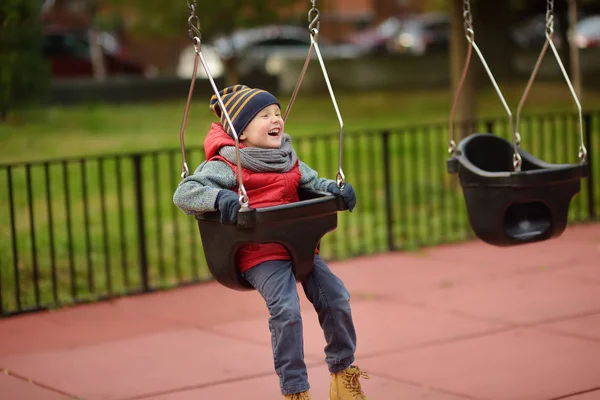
[[298, 396], [345, 385]]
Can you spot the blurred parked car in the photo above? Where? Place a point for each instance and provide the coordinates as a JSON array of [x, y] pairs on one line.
[[185, 64], [261, 51], [531, 32], [587, 33], [423, 33], [69, 54], [378, 39]]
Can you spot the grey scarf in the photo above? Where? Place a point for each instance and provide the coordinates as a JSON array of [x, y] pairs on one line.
[[264, 160]]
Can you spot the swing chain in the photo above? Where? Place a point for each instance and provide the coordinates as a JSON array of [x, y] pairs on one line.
[[195, 35], [313, 27], [313, 19], [194, 23], [452, 147], [549, 17], [582, 153], [470, 34], [468, 20]]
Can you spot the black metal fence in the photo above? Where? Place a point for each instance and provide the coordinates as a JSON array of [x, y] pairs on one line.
[[77, 230]]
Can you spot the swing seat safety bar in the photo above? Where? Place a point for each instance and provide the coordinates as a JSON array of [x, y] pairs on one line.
[[298, 227]]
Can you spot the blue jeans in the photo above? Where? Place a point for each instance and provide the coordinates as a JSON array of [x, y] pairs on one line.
[[275, 281]]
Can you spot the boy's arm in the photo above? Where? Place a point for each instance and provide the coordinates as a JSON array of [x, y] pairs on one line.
[[309, 179], [198, 192]]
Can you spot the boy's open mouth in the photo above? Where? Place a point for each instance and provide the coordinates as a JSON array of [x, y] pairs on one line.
[[274, 132]]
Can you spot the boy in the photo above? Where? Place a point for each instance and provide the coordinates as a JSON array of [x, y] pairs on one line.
[[272, 174]]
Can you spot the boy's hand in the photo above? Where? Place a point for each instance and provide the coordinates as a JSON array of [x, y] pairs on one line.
[[348, 194], [228, 204]]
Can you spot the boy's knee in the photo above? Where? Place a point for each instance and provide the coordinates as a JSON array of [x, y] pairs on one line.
[[288, 312]]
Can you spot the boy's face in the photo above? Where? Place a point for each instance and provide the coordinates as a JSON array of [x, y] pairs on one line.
[[265, 130]]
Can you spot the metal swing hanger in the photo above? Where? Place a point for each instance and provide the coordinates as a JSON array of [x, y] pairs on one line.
[[470, 35], [582, 154], [313, 27], [298, 226], [196, 36]]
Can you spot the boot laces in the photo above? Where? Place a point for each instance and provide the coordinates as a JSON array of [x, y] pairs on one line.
[[300, 396], [351, 381]]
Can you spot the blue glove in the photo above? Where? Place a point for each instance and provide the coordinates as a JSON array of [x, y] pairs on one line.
[[228, 204], [348, 194]]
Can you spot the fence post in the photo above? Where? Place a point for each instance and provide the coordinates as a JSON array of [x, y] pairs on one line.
[[489, 126], [587, 123], [387, 182], [141, 228]]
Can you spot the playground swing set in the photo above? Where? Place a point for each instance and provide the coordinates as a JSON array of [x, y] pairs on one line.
[[511, 196]]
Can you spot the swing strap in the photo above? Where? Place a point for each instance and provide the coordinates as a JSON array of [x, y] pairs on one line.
[[470, 35], [195, 34], [582, 154], [313, 27]]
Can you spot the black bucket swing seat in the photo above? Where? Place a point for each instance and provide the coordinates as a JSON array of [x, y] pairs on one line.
[[511, 196]]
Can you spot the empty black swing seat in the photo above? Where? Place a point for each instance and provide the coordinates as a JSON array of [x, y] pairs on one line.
[[298, 226], [506, 207]]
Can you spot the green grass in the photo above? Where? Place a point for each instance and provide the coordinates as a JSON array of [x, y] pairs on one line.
[[427, 205], [99, 129]]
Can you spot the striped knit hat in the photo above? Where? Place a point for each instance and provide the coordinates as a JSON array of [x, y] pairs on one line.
[[242, 104]]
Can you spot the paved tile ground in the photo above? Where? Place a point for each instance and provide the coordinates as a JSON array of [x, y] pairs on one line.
[[460, 322]]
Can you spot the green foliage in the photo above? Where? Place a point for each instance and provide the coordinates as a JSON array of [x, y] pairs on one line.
[[436, 5], [216, 17], [24, 74]]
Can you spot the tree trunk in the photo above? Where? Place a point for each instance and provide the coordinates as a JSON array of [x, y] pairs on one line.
[[231, 74], [466, 102], [466, 107], [96, 52], [492, 20], [97, 56]]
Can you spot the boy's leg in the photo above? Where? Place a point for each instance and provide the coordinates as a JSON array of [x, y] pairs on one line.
[[276, 283], [331, 300]]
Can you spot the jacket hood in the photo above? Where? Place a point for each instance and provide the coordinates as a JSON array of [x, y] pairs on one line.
[[217, 138]]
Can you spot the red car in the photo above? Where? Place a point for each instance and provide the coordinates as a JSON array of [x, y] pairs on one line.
[[69, 54]]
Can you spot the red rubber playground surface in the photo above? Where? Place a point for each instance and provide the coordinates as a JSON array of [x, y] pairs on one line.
[[466, 321]]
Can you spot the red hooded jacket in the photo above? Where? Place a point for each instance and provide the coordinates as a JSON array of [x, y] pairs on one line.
[[264, 189]]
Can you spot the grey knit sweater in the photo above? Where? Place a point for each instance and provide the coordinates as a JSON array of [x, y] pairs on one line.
[[197, 193]]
